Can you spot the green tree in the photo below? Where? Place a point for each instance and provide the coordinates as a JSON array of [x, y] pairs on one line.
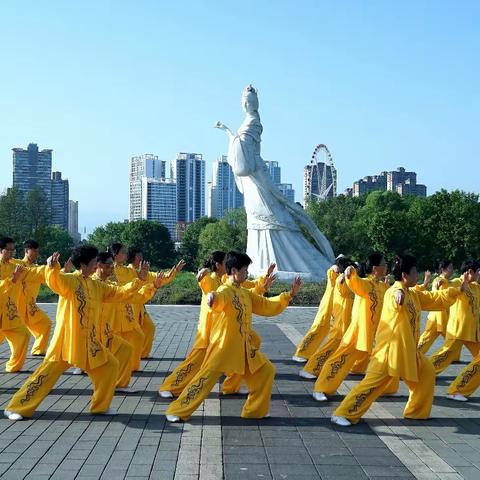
[[38, 211], [102, 237], [189, 248], [154, 240], [238, 218], [12, 215], [54, 239]]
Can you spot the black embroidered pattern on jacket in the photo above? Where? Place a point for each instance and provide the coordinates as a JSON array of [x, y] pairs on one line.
[[108, 335], [237, 304], [360, 399], [193, 391], [413, 317], [374, 299], [32, 307], [336, 366], [182, 374], [94, 346], [129, 312], [471, 300], [12, 312], [33, 386], [82, 301]]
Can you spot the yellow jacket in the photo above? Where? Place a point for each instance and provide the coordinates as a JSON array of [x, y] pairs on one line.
[[10, 315], [76, 338], [231, 336], [342, 307], [324, 312], [464, 318], [369, 293], [396, 341]]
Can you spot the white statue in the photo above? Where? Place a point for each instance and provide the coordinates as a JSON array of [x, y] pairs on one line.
[[274, 235]]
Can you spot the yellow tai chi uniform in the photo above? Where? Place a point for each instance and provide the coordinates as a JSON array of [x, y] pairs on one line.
[[321, 324], [185, 371], [75, 341], [462, 328], [343, 299], [12, 326], [396, 355], [357, 343], [436, 321], [230, 349], [36, 320]]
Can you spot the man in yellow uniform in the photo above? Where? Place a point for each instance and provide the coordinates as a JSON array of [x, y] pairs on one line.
[[395, 355], [75, 340], [12, 326], [230, 348], [36, 320], [357, 343], [321, 324], [343, 299], [463, 325]]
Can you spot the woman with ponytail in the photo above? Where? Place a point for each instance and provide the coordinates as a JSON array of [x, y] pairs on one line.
[[395, 355]]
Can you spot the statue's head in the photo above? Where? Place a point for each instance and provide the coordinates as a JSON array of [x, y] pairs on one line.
[[250, 99]]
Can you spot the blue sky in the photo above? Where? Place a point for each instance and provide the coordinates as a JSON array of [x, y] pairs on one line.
[[382, 83]]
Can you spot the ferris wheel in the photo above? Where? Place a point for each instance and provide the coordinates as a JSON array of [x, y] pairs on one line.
[[321, 167]]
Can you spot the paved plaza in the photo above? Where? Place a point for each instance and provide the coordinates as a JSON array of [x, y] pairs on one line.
[[63, 441]]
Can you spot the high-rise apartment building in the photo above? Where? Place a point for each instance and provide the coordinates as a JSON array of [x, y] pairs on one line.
[[73, 220], [319, 181], [149, 166], [188, 170], [59, 199], [223, 194], [275, 172], [32, 169]]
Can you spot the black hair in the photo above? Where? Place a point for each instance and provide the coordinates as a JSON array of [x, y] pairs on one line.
[[443, 264], [403, 264], [4, 241], [236, 260], [469, 264], [132, 252], [216, 257], [342, 263], [361, 269], [83, 254], [373, 260], [30, 244], [115, 248], [103, 257]]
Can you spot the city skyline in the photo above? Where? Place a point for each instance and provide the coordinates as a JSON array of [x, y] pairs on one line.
[[380, 84]]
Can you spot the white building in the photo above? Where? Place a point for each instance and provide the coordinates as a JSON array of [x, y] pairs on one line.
[[223, 194], [73, 220]]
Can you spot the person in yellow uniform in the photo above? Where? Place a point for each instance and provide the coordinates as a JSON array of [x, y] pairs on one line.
[[437, 321], [210, 278], [36, 320], [75, 339], [128, 314], [395, 354], [12, 326], [321, 324], [343, 299], [357, 342], [135, 257], [108, 333], [463, 325], [230, 348]]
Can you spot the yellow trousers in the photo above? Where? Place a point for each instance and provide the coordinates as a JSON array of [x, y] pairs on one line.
[[312, 340], [232, 383], [185, 372], [257, 404], [360, 366], [318, 359], [17, 339], [419, 403], [148, 328], [43, 379], [136, 339], [123, 354], [41, 333], [450, 351], [468, 380]]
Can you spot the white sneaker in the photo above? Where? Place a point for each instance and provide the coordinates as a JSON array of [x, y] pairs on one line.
[[267, 415], [457, 397], [126, 390], [243, 390], [165, 394], [299, 359], [172, 418], [111, 411], [306, 375], [12, 415], [319, 396], [341, 421], [77, 371]]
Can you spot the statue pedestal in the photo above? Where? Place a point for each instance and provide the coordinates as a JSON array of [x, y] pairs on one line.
[[287, 277]]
